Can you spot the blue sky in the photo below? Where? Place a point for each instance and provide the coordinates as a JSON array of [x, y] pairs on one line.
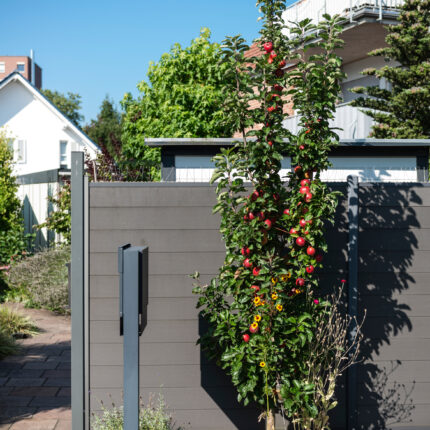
[[97, 47]]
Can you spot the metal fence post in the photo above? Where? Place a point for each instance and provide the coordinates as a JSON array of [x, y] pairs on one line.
[[352, 294], [133, 270], [77, 291]]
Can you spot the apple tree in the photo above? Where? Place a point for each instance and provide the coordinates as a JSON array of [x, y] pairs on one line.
[[262, 308]]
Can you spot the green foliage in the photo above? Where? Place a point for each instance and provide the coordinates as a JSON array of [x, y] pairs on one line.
[[60, 219], [13, 325], [106, 130], [403, 111], [183, 98], [267, 287], [152, 417], [12, 240], [41, 280], [69, 104]]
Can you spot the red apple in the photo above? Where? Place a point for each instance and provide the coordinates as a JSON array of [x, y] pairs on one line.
[[245, 217], [256, 288], [310, 269], [255, 195], [276, 197], [300, 241], [273, 54], [253, 329], [308, 197], [305, 182], [297, 168], [270, 143], [307, 232], [277, 87], [270, 60], [302, 222], [251, 216], [302, 147], [310, 251], [304, 190], [282, 63], [300, 282], [268, 47], [286, 211], [245, 251], [246, 337], [247, 263], [271, 108], [268, 224], [319, 258], [256, 271], [293, 231]]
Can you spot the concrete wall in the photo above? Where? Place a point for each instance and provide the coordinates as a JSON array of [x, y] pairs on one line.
[[176, 221]]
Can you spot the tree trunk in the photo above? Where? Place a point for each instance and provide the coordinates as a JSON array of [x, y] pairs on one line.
[[270, 421]]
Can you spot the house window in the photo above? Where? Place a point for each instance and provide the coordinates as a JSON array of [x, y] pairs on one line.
[[63, 152], [2, 67], [20, 151], [20, 67]]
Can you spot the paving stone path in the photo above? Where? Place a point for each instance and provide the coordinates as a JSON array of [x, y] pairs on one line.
[[35, 385]]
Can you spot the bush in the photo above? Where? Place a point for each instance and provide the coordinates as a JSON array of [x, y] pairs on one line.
[[12, 239], [12, 326], [41, 280], [152, 417]]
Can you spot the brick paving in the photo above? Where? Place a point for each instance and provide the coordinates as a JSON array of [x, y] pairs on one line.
[[35, 384]]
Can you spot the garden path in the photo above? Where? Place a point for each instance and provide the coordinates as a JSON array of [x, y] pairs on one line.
[[35, 384]]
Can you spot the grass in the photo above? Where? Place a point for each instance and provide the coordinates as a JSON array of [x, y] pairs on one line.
[[153, 416], [40, 280], [12, 326]]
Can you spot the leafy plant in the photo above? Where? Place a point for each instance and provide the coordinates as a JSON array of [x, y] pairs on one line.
[[41, 280], [12, 239], [8, 346], [152, 417], [262, 309], [60, 220], [401, 110]]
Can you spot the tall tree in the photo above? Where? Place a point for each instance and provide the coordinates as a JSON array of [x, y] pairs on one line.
[[69, 105], [106, 130], [182, 98], [404, 110]]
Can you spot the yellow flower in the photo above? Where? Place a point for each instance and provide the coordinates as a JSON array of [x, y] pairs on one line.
[[254, 325], [298, 291], [262, 364], [279, 307], [274, 296], [285, 277], [257, 300], [257, 318], [274, 281]]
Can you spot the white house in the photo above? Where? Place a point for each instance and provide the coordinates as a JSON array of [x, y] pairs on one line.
[[364, 30], [42, 139]]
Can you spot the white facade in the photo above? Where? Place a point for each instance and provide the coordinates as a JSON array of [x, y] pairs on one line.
[[199, 168], [315, 9], [38, 131]]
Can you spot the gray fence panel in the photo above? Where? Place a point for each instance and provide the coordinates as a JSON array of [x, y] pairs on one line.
[[175, 221]]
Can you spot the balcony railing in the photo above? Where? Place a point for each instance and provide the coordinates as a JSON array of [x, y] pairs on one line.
[[315, 9], [353, 123]]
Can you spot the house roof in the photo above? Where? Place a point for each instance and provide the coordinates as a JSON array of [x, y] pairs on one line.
[[17, 77]]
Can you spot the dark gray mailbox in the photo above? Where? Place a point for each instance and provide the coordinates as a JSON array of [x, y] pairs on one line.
[[133, 302]]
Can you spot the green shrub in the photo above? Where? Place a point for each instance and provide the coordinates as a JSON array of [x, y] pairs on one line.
[[152, 417], [41, 280], [8, 345], [12, 238]]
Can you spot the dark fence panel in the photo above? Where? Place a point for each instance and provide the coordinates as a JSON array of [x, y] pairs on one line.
[[176, 222]]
